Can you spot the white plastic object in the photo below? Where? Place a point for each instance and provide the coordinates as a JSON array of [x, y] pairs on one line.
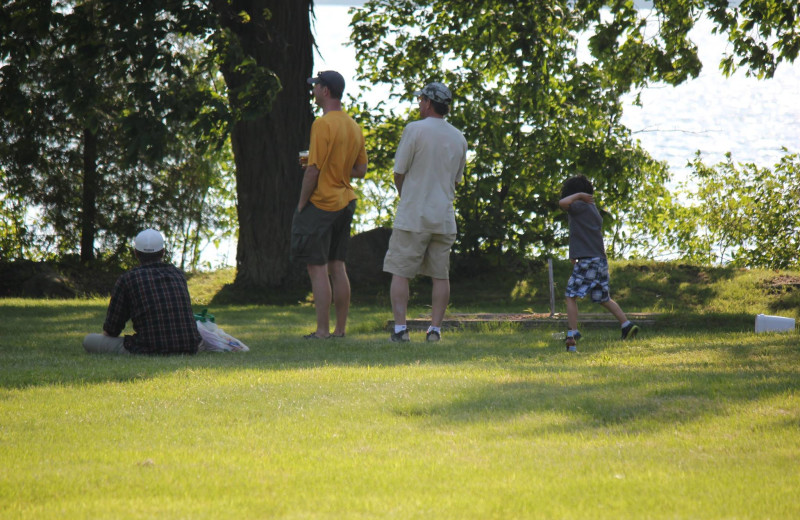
[[766, 323]]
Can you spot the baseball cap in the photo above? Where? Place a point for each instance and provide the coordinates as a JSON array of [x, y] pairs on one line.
[[331, 79], [436, 92], [149, 241]]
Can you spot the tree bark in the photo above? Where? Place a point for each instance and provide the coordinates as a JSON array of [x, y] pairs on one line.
[[89, 196], [265, 147]]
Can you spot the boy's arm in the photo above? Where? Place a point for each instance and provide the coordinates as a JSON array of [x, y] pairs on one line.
[[566, 202]]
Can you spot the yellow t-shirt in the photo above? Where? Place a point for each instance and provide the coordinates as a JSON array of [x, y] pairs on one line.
[[337, 145]]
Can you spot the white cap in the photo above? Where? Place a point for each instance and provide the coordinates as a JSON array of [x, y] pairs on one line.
[[149, 241]]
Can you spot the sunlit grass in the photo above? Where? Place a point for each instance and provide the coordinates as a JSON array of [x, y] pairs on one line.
[[497, 422]]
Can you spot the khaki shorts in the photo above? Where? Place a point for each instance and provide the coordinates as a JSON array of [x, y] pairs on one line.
[[411, 253], [102, 344]]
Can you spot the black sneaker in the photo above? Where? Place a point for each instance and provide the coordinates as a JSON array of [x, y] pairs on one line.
[[401, 336], [630, 331], [433, 336]]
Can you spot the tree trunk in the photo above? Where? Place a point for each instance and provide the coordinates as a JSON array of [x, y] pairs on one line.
[[265, 147], [89, 196]]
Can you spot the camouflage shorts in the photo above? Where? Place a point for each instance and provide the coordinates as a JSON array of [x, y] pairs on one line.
[[589, 276]]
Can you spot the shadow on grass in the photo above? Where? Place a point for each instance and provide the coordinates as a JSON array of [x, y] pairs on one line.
[[232, 294], [717, 322], [646, 400], [637, 399]]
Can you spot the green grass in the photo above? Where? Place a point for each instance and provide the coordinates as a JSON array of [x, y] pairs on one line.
[[697, 418]]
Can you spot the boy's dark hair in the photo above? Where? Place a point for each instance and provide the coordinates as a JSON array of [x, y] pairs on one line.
[[577, 184]]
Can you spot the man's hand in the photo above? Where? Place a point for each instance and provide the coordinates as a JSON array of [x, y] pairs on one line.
[[359, 171], [398, 183], [310, 178]]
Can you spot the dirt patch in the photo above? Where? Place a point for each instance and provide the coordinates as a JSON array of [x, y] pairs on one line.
[[703, 277], [784, 280], [783, 286]]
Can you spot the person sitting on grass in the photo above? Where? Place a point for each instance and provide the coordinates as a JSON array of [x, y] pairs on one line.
[[588, 256], [155, 297]]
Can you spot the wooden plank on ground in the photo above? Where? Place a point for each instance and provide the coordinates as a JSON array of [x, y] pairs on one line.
[[525, 320]]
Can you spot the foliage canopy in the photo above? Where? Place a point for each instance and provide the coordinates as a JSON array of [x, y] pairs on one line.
[[536, 109], [110, 121]]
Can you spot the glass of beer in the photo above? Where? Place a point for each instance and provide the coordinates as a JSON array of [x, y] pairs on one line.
[[303, 158]]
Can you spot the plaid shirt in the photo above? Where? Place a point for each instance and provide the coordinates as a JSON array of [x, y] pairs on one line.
[[154, 296]]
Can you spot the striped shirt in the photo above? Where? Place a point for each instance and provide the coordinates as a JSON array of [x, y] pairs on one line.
[[154, 296]]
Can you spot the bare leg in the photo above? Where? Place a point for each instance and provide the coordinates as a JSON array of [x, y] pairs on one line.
[[440, 297], [321, 288], [615, 309], [399, 297], [341, 294], [572, 313]]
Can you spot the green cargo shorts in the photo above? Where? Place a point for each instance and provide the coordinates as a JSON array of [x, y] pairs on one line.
[[319, 236]]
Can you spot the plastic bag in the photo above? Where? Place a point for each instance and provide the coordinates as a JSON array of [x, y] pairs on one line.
[[217, 340]]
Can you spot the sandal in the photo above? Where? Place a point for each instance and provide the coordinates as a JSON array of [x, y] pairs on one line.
[[313, 335]]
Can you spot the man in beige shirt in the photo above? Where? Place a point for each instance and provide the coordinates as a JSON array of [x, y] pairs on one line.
[[429, 161]]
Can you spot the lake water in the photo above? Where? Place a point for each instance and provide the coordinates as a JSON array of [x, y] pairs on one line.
[[748, 117]]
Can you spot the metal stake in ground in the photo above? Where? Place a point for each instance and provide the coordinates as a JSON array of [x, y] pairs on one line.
[[552, 287]]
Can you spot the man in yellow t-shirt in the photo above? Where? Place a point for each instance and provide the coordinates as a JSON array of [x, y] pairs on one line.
[[321, 224]]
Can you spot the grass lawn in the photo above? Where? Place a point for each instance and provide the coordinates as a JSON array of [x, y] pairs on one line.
[[697, 418]]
